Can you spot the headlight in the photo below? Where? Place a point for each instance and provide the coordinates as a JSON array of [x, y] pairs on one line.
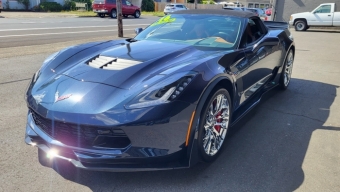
[[162, 92], [291, 18]]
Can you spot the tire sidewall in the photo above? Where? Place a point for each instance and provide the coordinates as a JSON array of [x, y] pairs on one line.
[[300, 22], [201, 130], [282, 78], [112, 11], [137, 14]]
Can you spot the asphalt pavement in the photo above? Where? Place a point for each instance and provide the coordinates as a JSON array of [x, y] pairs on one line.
[[290, 142], [16, 32]]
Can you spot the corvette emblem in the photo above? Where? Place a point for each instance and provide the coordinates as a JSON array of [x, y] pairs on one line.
[[57, 98]]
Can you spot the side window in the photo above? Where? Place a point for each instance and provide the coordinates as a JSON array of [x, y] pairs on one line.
[[324, 9], [124, 2], [253, 31], [128, 3], [111, 1]]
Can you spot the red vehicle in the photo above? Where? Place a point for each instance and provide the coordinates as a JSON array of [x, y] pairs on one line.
[[269, 12], [108, 7]]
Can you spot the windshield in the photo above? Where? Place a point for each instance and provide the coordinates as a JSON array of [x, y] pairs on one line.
[[196, 30]]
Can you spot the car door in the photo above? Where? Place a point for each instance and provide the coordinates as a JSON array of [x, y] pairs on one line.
[[129, 7], [125, 8], [263, 56], [322, 16]]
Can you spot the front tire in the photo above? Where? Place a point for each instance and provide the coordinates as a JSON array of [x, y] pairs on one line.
[[113, 13], [301, 25], [214, 124], [136, 14], [287, 70]]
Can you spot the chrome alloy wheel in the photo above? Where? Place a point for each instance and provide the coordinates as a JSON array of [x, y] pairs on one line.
[[216, 124], [300, 26], [289, 68], [137, 14]]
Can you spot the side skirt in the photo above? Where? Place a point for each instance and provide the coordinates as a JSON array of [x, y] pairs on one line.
[[252, 102]]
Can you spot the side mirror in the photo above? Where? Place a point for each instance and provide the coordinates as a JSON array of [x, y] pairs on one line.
[[138, 30]]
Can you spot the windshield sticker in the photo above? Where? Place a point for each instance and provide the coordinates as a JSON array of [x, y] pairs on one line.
[[166, 19]]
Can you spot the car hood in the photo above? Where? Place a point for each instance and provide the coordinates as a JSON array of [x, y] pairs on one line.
[[128, 64]]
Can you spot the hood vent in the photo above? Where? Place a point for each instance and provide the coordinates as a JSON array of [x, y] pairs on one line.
[[111, 63]]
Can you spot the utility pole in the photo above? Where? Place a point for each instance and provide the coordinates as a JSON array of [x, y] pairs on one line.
[[195, 4], [119, 18]]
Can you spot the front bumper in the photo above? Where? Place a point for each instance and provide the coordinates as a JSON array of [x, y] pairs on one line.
[[291, 23], [135, 157]]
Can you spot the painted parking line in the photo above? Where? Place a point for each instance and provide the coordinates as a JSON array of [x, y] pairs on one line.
[[78, 27], [61, 33]]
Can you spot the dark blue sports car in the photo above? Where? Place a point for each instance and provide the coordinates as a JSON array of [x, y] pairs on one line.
[[162, 100]]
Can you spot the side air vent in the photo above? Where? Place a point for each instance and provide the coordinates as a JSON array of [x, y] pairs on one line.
[[110, 63]]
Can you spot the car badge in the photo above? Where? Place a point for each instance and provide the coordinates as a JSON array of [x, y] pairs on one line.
[[63, 97]]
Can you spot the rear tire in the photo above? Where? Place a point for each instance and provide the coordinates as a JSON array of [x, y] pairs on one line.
[[214, 124], [136, 14], [287, 70], [113, 13], [301, 25]]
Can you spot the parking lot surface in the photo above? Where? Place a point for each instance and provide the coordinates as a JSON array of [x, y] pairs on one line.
[[291, 141]]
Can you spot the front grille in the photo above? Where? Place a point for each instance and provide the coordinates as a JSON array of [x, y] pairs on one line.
[[81, 135]]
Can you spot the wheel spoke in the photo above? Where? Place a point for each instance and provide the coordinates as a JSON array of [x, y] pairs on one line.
[[208, 146], [216, 125]]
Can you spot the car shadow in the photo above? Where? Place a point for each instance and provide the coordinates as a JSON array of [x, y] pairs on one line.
[[263, 152]]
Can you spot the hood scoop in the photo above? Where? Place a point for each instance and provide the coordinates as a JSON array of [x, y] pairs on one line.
[[111, 63]]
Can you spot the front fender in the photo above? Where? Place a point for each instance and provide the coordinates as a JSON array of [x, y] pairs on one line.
[[192, 151]]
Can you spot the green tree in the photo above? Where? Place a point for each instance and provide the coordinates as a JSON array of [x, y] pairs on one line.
[[148, 5], [193, 1]]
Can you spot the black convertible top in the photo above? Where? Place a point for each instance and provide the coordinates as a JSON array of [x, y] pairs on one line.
[[244, 14]]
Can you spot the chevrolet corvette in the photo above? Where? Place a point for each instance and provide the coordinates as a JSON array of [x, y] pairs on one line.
[[164, 99]]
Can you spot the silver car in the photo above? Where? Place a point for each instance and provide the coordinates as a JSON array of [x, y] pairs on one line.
[[170, 8]]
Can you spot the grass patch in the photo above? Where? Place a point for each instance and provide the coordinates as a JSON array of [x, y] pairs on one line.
[[81, 13], [158, 13]]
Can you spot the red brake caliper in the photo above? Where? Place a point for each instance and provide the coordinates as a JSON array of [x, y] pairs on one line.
[[218, 120]]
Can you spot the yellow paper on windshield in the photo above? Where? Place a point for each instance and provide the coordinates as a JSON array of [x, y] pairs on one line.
[[163, 20]]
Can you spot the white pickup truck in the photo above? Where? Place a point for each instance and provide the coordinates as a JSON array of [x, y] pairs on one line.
[[324, 15]]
